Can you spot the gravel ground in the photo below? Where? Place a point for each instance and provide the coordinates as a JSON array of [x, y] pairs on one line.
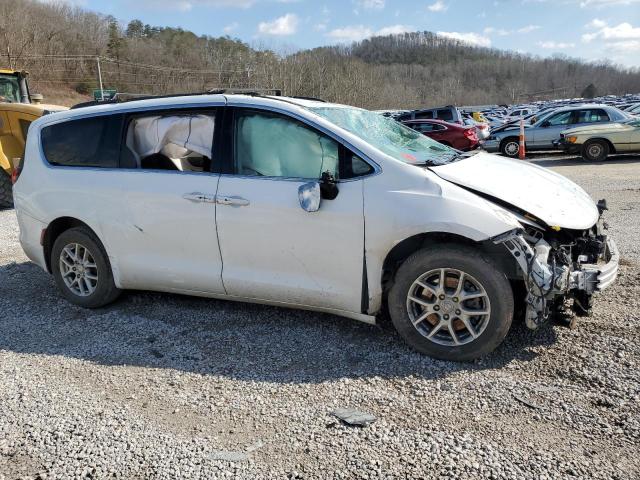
[[161, 386]]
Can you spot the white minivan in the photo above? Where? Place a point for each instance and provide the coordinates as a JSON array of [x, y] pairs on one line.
[[310, 205]]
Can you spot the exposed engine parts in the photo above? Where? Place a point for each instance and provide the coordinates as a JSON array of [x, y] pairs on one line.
[[561, 265]]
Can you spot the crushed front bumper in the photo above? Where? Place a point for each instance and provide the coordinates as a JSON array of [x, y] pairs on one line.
[[596, 277], [546, 282], [566, 147]]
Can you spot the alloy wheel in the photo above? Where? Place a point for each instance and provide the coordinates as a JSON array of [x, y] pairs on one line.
[[448, 307], [78, 269]]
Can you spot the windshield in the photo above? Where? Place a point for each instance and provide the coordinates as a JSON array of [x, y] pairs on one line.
[[389, 136], [9, 88], [633, 122]]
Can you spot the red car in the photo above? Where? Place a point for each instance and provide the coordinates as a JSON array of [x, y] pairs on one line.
[[460, 137]]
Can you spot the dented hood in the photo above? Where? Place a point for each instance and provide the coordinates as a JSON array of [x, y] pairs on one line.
[[552, 198]]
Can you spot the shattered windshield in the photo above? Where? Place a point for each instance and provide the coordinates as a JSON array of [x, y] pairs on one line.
[[9, 89], [389, 136]]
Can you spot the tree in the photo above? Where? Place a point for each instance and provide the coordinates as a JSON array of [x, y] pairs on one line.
[[590, 91], [135, 29], [115, 44]]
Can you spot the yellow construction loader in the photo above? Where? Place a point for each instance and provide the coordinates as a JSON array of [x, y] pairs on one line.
[[18, 108]]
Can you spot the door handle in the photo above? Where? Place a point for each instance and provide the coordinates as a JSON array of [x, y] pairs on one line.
[[233, 201], [195, 197]]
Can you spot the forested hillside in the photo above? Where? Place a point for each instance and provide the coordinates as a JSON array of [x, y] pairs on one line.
[[59, 45]]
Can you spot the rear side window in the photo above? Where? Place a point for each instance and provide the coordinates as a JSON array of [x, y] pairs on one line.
[[422, 127], [88, 142], [593, 116], [421, 115], [445, 114]]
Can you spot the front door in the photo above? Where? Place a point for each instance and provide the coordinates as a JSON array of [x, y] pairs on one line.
[[271, 248], [544, 135]]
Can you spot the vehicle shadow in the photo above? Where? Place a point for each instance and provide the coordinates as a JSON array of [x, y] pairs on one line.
[[212, 337], [565, 161]]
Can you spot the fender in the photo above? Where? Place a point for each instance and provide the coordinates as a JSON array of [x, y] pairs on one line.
[[431, 205]]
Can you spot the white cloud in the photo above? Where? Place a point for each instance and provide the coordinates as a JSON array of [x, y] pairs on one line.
[[232, 27], [528, 29], [596, 23], [471, 38], [371, 4], [285, 25], [395, 30], [606, 3], [355, 33], [551, 45], [503, 33], [622, 32], [352, 33], [625, 46], [188, 5], [498, 31], [438, 6]]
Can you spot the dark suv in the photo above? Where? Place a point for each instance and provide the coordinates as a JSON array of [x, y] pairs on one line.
[[448, 114]]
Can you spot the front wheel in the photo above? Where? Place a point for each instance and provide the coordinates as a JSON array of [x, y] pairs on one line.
[[595, 151], [451, 303], [510, 147]]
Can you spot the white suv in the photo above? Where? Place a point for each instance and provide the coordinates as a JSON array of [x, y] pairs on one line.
[[309, 205]]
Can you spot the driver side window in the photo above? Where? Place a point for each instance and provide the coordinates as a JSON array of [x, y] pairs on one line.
[[272, 145], [563, 118]]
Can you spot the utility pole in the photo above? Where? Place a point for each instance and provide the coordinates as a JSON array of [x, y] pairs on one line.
[[100, 79]]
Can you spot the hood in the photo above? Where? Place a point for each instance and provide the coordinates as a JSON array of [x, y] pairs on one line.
[[602, 128], [554, 199]]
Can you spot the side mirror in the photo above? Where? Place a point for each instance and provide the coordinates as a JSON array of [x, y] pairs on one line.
[[309, 196], [545, 124], [328, 186]]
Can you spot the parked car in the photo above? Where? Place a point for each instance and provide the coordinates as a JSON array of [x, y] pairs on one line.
[[634, 110], [482, 128], [519, 113], [542, 134], [447, 114], [310, 205], [461, 138], [596, 142]]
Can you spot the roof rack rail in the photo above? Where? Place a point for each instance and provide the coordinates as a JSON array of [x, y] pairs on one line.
[[314, 99], [129, 97], [276, 92]]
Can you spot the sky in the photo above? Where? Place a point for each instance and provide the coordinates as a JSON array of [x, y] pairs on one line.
[[588, 29]]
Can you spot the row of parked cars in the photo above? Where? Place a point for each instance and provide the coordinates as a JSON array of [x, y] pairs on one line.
[[594, 130]]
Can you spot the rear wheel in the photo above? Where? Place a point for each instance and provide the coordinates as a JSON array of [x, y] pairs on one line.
[[450, 303], [81, 269], [510, 147], [595, 150], [6, 190]]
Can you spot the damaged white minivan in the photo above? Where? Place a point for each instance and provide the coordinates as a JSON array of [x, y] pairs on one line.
[[311, 205]]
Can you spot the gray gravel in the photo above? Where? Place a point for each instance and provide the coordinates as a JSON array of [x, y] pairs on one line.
[[162, 386]]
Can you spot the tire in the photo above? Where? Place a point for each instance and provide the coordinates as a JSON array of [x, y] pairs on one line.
[[482, 280], [595, 151], [80, 292], [6, 190], [507, 147]]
